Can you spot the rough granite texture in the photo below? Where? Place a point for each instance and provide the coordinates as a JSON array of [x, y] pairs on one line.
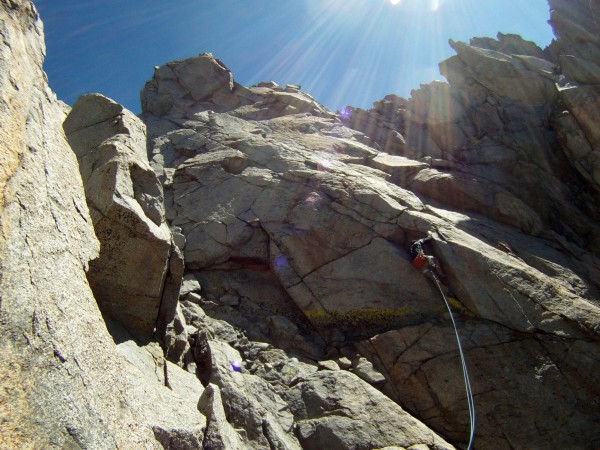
[[62, 383], [299, 214], [300, 322], [138, 273]]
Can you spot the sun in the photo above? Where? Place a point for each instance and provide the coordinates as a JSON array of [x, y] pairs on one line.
[[395, 2]]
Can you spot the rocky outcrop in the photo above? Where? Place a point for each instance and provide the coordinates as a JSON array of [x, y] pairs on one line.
[[62, 382], [575, 52], [296, 215], [494, 141], [301, 322], [513, 143], [301, 216], [163, 396], [138, 274], [332, 414], [276, 400], [65, 383], [517, 378], [204, 82]]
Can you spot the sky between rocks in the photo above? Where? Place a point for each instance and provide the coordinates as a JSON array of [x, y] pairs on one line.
[[343, 52]]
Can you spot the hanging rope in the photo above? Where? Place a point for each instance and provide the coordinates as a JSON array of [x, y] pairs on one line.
[[470, 400]]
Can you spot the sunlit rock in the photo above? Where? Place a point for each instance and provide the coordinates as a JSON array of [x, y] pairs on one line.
[[139, 269], [302, 322]]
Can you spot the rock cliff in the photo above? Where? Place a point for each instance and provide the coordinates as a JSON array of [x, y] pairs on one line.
[[64, 382], [232, 269]]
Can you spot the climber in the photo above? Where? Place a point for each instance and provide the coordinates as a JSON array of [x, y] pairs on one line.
[[427, 264], [424, 262]]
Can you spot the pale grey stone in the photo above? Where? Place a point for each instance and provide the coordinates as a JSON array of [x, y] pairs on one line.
[[300, 225], [219, 432], [189, 285], [365, 370], [348, 424], [534, 373], [126, 202], [63, 385], [328, 365], [194, 297], [299, 212], [344, 363]]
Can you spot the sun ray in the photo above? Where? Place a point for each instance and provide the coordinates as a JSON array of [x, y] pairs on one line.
[[341, 51]]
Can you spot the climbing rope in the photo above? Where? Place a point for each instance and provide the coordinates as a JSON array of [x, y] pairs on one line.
[[468, 389]]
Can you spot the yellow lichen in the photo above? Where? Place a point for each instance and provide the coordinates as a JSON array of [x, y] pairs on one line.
[[360, 317]]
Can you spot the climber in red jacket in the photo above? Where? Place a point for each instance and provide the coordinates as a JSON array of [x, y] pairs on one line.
[[428, 265], [421, 261]]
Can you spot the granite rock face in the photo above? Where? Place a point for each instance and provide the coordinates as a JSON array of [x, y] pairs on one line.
[[301, 322], [307, 216], [350, 424], [62, 382], [290, 203], [139, 269], [275, 399], [536, 381]]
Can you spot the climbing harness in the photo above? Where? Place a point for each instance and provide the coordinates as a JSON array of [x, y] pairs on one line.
[[468, 389]]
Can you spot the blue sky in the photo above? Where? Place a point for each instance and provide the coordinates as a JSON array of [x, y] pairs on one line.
[[343, 52]]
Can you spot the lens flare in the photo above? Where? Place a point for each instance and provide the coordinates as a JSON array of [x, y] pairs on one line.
[[236, 365], [346, 112], [312, 199], [324, 165], [281, 262]]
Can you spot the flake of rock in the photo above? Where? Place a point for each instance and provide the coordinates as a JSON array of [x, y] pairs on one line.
[[365, 370], [189, 285], [126, 202], [328, 365], [219, 433], [344, 363], [254, 404], [62, 383], [194, 297], [401, 169]]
